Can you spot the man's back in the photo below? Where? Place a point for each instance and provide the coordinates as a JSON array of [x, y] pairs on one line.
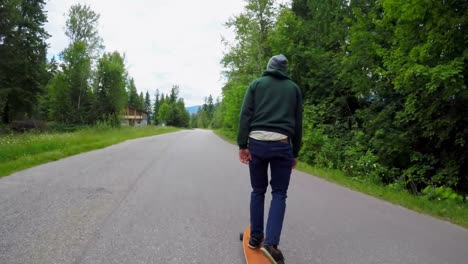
[[275, 100], [272, 103]]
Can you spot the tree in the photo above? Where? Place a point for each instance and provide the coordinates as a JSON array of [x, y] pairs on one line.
[[59, 102], [205, 113], [170, 109], [45, 106], [174, 95], [164, 113], [202, 118], [163, 99], [23, 57], [218, 118], [384, 83], [250, 51], [427, 64], [111, 95], [181, 116], [247, 56], [193, 121], [148, 106], [174, 115], [77, 69], [133, 99], [79, 56], [82, 26], [209, 107], [157, 103]]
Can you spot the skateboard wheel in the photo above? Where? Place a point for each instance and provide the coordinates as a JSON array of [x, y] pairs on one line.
[[241, 237]]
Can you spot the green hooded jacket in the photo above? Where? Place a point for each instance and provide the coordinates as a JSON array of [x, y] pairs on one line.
[[272, 103]]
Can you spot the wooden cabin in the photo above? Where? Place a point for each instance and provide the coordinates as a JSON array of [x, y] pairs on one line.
[[134, 117]]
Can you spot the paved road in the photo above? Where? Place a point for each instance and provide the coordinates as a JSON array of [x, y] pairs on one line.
[[183, 198]]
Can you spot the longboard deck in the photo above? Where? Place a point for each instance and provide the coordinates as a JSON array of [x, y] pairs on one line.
[[252, 256]]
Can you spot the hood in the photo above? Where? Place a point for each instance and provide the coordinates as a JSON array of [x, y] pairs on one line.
[[276, 73]]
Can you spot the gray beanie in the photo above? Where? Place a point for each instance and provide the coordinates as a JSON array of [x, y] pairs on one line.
[[278, 62]]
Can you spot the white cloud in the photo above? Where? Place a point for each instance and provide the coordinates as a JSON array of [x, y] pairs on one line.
[[165, 42]]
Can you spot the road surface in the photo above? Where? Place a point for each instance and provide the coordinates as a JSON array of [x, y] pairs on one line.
[[183, 198]]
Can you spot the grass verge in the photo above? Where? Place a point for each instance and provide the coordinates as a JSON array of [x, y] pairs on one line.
[[448, 210], [22, 151]]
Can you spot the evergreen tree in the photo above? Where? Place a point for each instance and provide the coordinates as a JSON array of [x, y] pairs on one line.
[[148, 106], [23, 62], [141, 101], [133, 99], [157, 103], [182, 118], [174, 95], [210, 107]]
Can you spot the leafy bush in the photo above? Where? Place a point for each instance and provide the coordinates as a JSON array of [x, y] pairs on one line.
[[368, 166], [318, 148], [442, 193]]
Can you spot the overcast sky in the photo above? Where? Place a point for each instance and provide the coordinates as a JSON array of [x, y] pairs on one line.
[[165, 42]]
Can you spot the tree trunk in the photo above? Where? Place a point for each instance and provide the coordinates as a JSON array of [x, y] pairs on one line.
[[6, 113]]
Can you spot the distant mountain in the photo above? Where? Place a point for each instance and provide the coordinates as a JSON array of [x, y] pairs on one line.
[[193, 109]]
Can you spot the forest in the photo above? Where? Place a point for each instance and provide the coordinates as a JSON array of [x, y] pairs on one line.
[[83, 86], [384, 85], [384, 82]]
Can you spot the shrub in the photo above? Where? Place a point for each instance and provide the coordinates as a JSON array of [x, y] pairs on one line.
[[441, 194]]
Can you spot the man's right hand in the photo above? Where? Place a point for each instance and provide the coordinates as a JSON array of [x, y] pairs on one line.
[[245, 156], [295, 163]]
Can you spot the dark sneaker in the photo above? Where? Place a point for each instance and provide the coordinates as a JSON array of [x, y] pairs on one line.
[[254, 242], [273, 253]]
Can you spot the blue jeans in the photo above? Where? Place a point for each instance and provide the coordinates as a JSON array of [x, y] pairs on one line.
[[280, 158]]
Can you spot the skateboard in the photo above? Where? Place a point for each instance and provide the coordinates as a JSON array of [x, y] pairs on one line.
[[253, 256]]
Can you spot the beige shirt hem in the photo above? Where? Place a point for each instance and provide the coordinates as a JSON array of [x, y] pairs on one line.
[[267, 135]]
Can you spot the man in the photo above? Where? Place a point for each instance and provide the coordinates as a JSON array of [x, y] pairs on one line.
[[270, 133]]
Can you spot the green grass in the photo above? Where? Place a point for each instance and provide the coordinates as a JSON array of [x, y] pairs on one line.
[[448, 210], [22, 151]]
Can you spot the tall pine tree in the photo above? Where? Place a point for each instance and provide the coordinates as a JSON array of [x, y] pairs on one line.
[[157, 102], [148, 106], [23, 57], [132, 93]]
